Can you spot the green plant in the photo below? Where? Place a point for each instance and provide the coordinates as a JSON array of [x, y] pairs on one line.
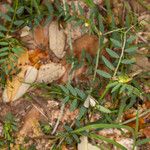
[[9, 127], [117, 39], [46, 128], [21, 13], [120, 78]]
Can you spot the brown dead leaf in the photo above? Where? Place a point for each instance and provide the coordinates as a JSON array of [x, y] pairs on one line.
[[38, 38], [147, 104], [22, 61], [57, 39], [40, 35], [50, 72], [20, 83], [37, 56], [87, 42], [146, 132], [133, 123], [90, 44], [64, 147]]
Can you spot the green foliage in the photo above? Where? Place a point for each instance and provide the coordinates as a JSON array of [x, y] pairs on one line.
[[75, 97], [9, 127], [22, 13], [116, 81], [10, 50], [104, 74], [46, 128]]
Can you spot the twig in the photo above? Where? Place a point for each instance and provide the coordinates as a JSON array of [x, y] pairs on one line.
[[122, 50], [122, 53], [40, 111], [14, 15], [64, 6], [96, 65], [114, 31], [72, 63], [59, 118], [133, 119], [142, 38], [42, 104]]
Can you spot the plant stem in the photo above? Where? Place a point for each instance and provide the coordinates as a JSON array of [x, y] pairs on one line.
[[105, 91], [96, 65], [133, 119], [59, 118], [64, 6], [114, 31], [119, 62], [122, 53], [11, 24], [122, 50]]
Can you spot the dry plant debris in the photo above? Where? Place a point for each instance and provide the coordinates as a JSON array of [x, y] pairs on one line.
[[50, 72], [83, 75], [57, 39], [86, 145], [19, 84]]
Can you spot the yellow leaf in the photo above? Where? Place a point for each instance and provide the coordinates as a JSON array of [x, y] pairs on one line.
[[23, 59], [20, 83]]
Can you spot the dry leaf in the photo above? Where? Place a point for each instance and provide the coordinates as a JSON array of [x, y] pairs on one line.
[[37, 56], [85, 145], [19, 84], [137, 7], [90, 44], [90, 101], [25, 31], [38, 38], [146, 132], [64, 147], [40, 35], [110, 133], [129, 115], [92, 147], [50, 72], [126, 142], [24, 59], [87, 42], [57, 39]]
